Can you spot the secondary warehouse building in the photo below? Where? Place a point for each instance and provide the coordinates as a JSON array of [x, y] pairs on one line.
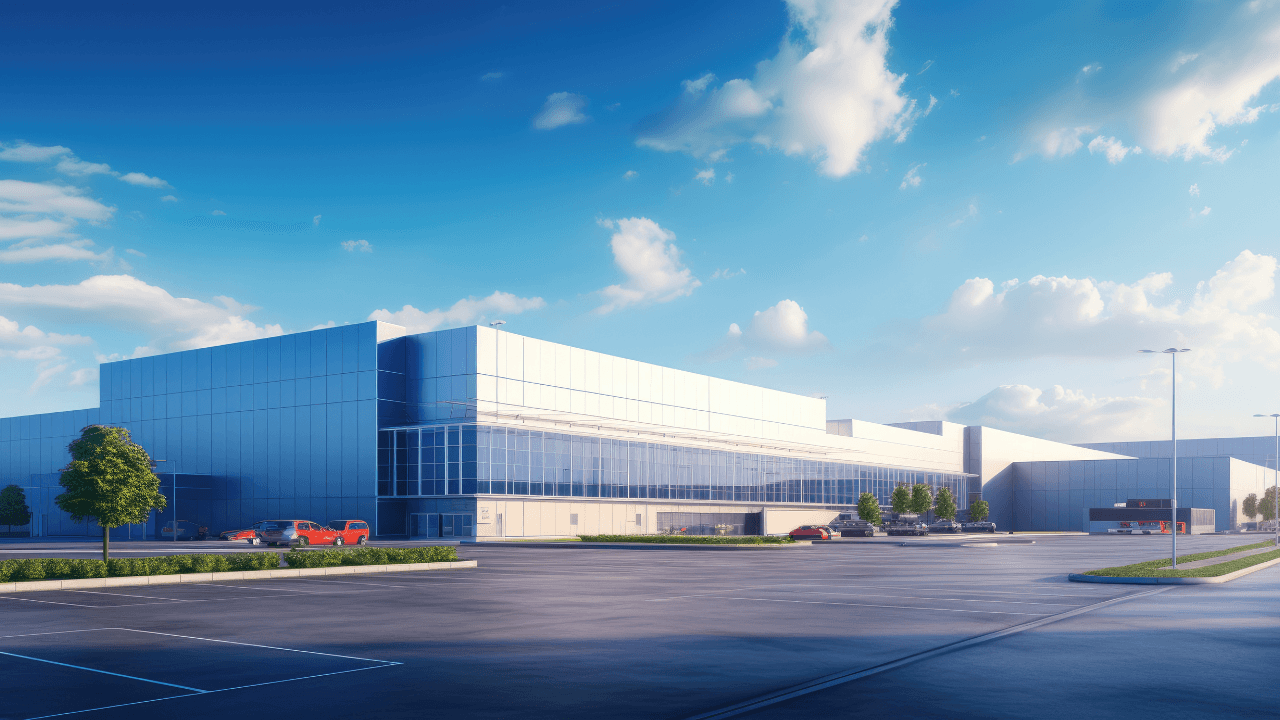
[[479, 432]]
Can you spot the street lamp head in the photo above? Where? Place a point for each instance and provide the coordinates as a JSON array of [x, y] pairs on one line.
[[1167, 351]]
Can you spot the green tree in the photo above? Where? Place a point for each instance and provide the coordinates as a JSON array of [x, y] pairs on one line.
[[944, 506], [921, 498], [109, 479], [869, 508], [900, 501], [13, 507], [1250, 506], [978, 510], [1267, 505]]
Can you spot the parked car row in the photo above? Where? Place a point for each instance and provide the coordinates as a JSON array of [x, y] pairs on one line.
[[846, 527], [302, 532]]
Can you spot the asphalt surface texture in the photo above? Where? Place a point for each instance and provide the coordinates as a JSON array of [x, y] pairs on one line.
[[903, 627]]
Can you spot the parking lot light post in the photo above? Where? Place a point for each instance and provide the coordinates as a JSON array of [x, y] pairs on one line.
[[1173, 424], [1275, 497]]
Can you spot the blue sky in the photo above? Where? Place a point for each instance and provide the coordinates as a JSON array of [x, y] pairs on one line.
[[920, 210]]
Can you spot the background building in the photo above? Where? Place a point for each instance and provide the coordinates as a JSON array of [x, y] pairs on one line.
[[479, 432]]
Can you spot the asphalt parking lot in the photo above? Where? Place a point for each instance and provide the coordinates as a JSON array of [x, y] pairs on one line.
[[660, 633]]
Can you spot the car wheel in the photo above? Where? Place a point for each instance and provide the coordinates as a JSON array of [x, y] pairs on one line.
[[363, 539], [255, 541], [304, 541], [337, 540], [992, 530]]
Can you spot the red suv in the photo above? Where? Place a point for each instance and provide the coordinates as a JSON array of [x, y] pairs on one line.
[[810, 532], [350, 531], [295, 532]]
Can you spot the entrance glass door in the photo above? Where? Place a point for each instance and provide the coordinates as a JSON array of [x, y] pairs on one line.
[[424, 525]]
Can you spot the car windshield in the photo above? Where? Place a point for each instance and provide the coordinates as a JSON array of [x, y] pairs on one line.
[[276, 524], [338, 525]]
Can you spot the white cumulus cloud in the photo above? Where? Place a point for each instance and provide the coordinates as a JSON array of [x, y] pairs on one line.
[[706, 177], [467, 311], [1112, 148], [783, 327], [137, 178], [1063, 414], [826, 95], [26, 152], [354, 245], [562, 108], [647, 254], [1084, 317], [126, 302]]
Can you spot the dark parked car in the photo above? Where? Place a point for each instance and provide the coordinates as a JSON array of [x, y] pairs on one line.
[[810, 532], [945, 526], [906, 528], [857, 528], [187, 530], [984, 526]]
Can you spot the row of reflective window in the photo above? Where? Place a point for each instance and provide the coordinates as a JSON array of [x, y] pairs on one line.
[[479, 459]]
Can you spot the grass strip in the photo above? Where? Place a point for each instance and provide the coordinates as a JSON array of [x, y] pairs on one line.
[[1161, 568], [24, 569], [298, 558], [690, 539]]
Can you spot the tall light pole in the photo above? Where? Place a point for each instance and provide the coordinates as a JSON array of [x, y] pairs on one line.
[[1173, 423], [1276, 496]]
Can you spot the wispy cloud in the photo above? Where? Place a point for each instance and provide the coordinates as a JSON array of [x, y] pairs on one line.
[[562, 108], [354, 245]]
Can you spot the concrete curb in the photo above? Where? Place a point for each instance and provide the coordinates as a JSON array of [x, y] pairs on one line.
[[1077, 577], [36, 585]]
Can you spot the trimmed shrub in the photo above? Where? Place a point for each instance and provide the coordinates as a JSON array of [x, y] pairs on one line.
[[370, 556]]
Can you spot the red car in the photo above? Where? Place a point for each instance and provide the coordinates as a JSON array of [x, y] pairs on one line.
[[350, 531], [250, 533], [810, 532], [295, 532]]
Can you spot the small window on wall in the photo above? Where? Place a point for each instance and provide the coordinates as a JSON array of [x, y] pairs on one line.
[[573, 518], [638, 519]]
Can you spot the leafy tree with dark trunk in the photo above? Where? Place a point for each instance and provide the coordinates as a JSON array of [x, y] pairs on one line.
[[1267, 505], [979, 510], [13, 507], [1250, 506], [921, 498], [869, 508], [900, 501], [109, 479], [945, 504]]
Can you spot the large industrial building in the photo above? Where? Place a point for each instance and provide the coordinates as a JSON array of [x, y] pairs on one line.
[[476, 432]]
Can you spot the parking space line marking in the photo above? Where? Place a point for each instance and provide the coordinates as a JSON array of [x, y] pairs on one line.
[[268, 647], [47, 602], [104, 672], [823, 683], [145, 597], [210, 692], [52, 632], [891, 607], [913, 597], [900, 587]]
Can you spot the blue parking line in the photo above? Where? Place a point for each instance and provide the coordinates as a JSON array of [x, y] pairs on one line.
[[104, 672]]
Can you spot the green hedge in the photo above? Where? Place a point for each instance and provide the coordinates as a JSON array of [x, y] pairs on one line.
[[690, 539], [370, 556], [68, 568]]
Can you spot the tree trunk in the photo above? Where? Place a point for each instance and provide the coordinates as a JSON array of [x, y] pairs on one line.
[[106, 541]]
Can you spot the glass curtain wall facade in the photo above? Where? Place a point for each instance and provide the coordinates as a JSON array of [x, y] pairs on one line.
[[487, 460], [271, 428]]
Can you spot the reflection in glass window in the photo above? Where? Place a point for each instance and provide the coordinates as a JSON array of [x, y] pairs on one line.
[[471, 459]]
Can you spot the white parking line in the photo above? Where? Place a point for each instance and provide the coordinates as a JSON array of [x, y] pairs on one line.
[[914, 597], [890, 607], [46, 602]]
